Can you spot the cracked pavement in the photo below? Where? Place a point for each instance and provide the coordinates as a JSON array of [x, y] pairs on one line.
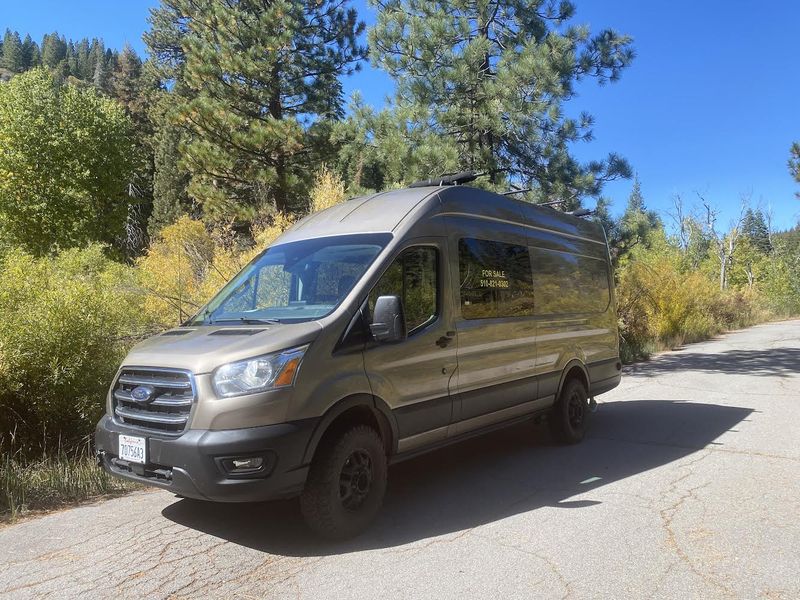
[[688, 486]]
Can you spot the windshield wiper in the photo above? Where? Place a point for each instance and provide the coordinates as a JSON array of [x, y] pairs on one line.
[[246, 321]]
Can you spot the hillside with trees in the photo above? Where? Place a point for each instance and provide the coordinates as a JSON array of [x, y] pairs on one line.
[[133, 187]]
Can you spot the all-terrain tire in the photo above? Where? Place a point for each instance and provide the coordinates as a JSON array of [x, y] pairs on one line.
[[346, 484], [570, 415]]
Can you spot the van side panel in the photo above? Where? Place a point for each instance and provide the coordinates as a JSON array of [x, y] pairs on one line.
[[496, 362], [575, 309], [515, 363], [496, 356]]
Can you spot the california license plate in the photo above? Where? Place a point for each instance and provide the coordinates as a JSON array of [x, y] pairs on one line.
[[133, 449]]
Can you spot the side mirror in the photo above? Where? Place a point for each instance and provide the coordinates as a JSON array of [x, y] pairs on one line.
[[388, 322]]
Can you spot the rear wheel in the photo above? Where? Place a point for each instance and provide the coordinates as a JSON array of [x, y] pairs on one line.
[[569, 419], [346, 484]]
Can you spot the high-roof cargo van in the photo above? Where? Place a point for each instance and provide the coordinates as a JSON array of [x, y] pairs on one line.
[[370, 332]]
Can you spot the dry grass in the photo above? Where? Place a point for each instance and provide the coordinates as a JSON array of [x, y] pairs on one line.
[[52, 482]]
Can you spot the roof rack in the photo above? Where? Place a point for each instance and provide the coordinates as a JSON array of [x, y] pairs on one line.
[[516, 190], [448, 179]]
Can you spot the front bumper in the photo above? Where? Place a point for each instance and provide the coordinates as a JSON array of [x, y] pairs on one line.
[[193, 464]]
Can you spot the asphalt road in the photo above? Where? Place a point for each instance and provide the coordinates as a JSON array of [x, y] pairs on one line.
[[687, 487]]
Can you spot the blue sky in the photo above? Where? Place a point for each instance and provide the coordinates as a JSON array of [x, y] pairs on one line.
[[710, 105]]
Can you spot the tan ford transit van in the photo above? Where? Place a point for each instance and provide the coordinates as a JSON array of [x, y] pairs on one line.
[[375, 330]]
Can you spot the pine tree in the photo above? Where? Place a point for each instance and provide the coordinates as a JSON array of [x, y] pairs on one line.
[[100, 77], [754, 228], [13, 56], [170, 180], [612, 227], [637, 222], [794, 163], [125, 81], [30, 53], [54, 50], [380, 149], [168, 28], [636, 199], [72, 59], [254, 76], [635, 228], [83, 66], [136, 90], [492, 76]]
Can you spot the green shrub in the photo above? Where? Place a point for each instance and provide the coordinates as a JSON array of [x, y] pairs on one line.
[[67, 322], [66, 157], [661, 305], [634, 306]]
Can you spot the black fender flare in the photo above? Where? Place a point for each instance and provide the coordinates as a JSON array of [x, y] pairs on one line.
[[375, 404], [567, 368]]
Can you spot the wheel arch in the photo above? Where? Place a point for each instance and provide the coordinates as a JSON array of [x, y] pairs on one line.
[[574, 368], [350, 411]]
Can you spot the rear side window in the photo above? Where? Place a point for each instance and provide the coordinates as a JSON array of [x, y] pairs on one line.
[[568, 283], [495, 279], [413, 276]]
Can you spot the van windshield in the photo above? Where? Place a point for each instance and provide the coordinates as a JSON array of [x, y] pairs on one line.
[[293, 282]]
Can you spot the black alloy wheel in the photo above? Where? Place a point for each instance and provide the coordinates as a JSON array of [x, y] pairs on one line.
[[355, 480]]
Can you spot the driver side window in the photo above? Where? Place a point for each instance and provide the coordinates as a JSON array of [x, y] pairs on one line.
[[413, 277]]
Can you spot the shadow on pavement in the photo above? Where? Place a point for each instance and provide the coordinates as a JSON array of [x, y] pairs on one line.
[[482, 480], [770, 362]]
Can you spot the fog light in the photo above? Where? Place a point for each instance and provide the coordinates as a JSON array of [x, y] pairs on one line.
[[257, 465], [246, 464]]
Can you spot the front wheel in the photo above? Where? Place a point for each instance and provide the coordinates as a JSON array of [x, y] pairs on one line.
[[346, 484], [568, 421]]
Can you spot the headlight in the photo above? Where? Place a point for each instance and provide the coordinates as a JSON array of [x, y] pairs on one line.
[[258, 374]]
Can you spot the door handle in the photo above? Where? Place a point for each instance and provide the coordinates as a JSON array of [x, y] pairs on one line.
[[445, 339]]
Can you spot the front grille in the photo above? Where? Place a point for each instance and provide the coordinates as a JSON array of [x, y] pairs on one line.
[[167, 408]]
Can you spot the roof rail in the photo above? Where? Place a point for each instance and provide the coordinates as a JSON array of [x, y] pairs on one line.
[[448, 179], [581, 212]]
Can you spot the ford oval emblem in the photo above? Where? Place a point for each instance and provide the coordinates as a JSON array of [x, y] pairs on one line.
[[142, 393]]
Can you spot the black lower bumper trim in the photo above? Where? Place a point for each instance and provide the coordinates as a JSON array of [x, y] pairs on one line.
[[191, 465], [605, 385]]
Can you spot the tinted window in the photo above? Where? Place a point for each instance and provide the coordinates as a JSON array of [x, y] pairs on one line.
[[495, 279], [412, 277], [567, 283]]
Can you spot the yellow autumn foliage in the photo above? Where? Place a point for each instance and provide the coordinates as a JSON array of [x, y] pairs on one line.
[[173, 270], [328, 190], [661, 305], [189, 263]]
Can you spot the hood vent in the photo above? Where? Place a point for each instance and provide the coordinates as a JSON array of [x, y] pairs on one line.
[[178, 332], [236, 331]]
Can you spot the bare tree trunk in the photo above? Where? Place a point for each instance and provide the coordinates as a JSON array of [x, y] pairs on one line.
[[726, 245], [680, 222], [276, 111], [723, 263], [751, 279]]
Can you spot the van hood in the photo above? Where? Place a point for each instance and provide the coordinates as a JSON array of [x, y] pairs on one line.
[[204, 348]]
